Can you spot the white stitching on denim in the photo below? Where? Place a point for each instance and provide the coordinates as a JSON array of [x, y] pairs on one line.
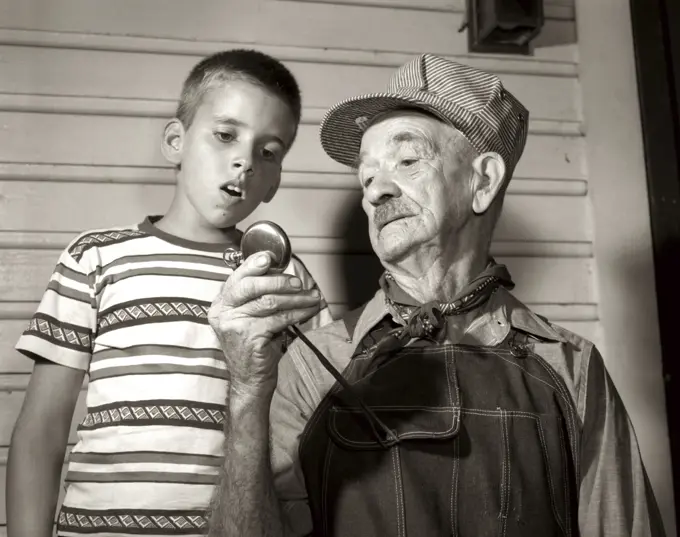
[[454, 490], [513, 413], [396, 490], [452, 358], [448, 376], [570, 410], [401, 492], [559, 389], [413, 434], [541, 436], [546, 461], [455, 411], [505, 487], [396, 465]]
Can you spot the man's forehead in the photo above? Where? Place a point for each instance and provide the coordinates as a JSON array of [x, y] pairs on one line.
[[401, 128]]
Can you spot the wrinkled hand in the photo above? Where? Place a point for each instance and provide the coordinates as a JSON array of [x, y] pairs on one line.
[[252, 308]]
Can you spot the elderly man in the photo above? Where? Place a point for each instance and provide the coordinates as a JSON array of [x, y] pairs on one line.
[[458, 410]]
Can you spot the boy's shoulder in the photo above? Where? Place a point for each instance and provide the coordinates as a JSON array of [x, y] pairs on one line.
[[103, 237]]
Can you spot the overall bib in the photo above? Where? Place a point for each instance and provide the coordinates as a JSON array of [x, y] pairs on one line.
[[444, 440]]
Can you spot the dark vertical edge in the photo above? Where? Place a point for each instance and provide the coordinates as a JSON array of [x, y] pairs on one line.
[[656, 37]]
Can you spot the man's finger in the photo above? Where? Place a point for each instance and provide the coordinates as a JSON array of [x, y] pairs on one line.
[[267, 326], [255, 265], [272, 304], [278, 322], [252, 288], [250, 281]]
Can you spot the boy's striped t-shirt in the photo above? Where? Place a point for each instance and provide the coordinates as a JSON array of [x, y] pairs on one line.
[[129, 305]]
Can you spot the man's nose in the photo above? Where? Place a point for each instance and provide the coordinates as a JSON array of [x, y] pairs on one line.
[[381, 189]]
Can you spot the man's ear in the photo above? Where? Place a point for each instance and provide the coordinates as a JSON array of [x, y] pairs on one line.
[[489, 176], [272, 191], [172, 141]]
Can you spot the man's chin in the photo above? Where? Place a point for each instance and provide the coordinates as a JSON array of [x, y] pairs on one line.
[[392, 250]]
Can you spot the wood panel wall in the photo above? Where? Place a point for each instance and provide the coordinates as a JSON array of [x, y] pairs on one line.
[[86, 85]]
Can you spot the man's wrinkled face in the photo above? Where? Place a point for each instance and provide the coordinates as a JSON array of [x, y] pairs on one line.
[[415, 183]]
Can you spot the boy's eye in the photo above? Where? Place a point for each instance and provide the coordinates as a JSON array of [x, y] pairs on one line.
[[224, 136], [270, 154]]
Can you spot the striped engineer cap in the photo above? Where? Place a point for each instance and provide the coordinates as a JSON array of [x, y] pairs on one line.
[[472, 101]]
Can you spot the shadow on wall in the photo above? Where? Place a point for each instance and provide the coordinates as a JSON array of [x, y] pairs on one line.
[[359, 285]]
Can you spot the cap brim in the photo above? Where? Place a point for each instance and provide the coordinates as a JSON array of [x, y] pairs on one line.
[[343, 126]]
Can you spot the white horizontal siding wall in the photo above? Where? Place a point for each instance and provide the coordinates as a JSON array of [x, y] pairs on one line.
[[85, 86]]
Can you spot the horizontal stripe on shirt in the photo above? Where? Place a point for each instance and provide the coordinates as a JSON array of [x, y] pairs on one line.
[[156, 369], [155, 412], [174, 351], [165, 457], [141, 477], [137, 522]]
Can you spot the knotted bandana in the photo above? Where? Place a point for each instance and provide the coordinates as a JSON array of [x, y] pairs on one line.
[[427, 321]]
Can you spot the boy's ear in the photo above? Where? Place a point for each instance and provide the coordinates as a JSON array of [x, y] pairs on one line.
[[272, 191], [173, 141]]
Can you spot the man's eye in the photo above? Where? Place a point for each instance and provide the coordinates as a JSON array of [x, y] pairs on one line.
[[406, 162], [224, 136], [367, 182]]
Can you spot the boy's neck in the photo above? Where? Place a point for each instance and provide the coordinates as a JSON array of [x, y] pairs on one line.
[[187, 228]]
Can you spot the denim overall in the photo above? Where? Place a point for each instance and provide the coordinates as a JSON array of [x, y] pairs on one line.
[[439, 439]]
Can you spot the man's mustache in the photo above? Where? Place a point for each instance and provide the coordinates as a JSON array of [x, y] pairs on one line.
[[390, 211]]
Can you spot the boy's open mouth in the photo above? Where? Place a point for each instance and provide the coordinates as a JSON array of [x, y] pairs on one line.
[[232, 190]]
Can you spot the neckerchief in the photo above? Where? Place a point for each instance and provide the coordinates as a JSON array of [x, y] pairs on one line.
[[429, 320]]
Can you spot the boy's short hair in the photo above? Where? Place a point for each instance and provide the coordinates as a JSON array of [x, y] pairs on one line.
[[237, 64]]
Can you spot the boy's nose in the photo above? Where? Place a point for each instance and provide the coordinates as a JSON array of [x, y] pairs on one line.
[[243, 164]]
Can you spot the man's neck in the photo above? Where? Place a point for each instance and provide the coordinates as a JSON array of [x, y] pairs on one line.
[[440, 279]]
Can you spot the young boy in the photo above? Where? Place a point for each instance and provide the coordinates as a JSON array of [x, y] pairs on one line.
[[128, 306]]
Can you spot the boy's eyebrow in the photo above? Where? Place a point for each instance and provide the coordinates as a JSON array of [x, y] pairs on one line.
[[230, 121], [226, 120]]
